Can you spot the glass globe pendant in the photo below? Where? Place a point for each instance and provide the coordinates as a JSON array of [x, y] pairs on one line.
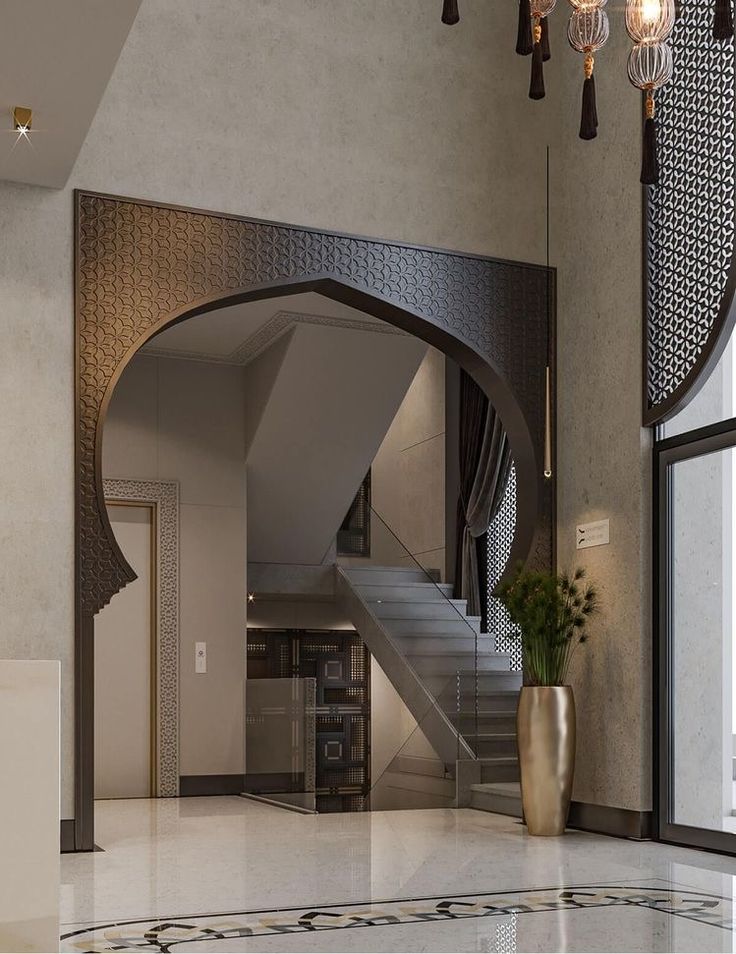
[[539, 10], [649, 24], [587, 32]]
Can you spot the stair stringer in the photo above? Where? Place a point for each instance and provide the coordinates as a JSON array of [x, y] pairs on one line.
[[446, 742]]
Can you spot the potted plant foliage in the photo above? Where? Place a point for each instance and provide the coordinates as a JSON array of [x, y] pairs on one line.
[[551, 614]]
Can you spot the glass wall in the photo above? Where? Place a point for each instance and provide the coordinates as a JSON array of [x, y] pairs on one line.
[[696, 515]]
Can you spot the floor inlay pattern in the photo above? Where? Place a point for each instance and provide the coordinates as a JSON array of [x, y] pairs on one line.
[[216, 932]]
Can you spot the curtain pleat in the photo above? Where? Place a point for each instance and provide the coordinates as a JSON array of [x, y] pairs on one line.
[[485, 462]]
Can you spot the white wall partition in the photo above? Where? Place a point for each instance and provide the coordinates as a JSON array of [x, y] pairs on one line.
[[29, 805]]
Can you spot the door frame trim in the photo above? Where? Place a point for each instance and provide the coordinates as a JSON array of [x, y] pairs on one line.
[[163, 498]]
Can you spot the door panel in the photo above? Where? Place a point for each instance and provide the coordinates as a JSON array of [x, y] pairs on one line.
[[124, 640]]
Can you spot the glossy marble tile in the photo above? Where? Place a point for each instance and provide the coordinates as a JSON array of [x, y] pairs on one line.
[[409, 881]]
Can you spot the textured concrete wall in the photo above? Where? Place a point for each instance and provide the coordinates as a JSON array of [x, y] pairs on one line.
[[371, 118], [366, 117], [603, 453]]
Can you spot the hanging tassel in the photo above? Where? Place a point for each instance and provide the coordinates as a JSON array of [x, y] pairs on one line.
[[588, 118], [723, 20], [589, 114], [524, 42], [450, 12], [649, 164], [546, 53], [536, 85]]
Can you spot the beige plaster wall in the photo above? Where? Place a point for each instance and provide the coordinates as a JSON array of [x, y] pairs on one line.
[[408, 472], [369, 118], [184, 420], [602, 452]]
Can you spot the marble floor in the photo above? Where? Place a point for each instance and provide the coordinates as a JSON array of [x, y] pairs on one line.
[[228, 874]]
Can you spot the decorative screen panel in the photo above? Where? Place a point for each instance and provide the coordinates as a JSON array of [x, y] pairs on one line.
[[690, 220], [500, 537], [354, 536]]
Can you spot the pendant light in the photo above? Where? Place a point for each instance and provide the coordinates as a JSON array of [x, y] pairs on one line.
[[540, 10], [587, 32], [649, 24]]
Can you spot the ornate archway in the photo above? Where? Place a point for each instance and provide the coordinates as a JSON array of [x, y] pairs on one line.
[[141, 267]]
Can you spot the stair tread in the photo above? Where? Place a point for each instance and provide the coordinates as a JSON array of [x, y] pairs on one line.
[[508, 789], [488, 735], [459, 654], [498, 759]]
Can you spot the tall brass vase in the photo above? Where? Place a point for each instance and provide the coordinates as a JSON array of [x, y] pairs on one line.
[[545, 728]]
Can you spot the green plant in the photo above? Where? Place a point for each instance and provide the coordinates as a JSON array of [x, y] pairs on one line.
[[551, 614]]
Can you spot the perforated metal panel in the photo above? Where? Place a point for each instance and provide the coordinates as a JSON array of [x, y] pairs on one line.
[[690, 220], [340, 664], [500, 537]]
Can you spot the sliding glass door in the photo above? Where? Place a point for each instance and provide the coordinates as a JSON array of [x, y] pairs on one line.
[[696, 538]]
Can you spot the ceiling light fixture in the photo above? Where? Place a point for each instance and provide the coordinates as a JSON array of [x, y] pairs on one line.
[[22, 120], [251, 597], [649, 23]]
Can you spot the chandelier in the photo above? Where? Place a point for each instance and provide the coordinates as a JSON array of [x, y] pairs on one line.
[[649, 23]]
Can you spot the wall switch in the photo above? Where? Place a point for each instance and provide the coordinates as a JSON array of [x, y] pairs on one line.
[[595, 534], [200, 657]]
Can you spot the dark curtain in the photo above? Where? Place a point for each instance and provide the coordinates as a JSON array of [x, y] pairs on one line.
[[485, 462]]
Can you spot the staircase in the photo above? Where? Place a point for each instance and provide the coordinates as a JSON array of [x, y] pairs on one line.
[[422, 639]]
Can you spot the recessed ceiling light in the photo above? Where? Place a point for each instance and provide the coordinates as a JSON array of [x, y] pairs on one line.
[[251, 597], [22, 120]]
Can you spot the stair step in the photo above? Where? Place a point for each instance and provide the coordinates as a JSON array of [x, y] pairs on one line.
[[459, 626], [417, 765], [418, 609], [500, 700], [488, 684], [406, 790], [492, 744], [448, 662], [418, 643], [411, 591], [494, 723], [503, 798], [503, 768], [389, 574]]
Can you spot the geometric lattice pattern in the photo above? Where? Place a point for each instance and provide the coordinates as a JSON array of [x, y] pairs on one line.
[[500, 538], [690, 221], [340, 665], [141, 267]]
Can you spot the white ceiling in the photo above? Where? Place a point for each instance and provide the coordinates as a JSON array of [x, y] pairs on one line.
[[56, 57], [237, 334]]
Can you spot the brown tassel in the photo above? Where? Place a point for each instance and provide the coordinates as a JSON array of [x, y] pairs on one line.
[[588, 116], [723, 20], [524, 41], [450, 12], [546, 53], [536, 84], [649, 164]]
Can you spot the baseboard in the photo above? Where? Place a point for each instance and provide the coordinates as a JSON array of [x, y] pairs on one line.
[[67, 835], [604, 820], [192, 785]]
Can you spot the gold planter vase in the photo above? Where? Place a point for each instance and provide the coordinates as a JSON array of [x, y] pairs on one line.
[[545, 728]]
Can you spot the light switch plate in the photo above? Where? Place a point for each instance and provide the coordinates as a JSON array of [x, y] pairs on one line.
[[200, 657], [595, 534]]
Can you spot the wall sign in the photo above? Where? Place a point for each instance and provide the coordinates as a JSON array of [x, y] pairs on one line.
[[595, 534]]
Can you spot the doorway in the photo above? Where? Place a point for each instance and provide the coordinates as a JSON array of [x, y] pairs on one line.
[[125, 664], [193, 263]]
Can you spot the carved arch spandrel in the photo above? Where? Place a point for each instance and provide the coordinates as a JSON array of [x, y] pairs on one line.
[[141, 267]]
